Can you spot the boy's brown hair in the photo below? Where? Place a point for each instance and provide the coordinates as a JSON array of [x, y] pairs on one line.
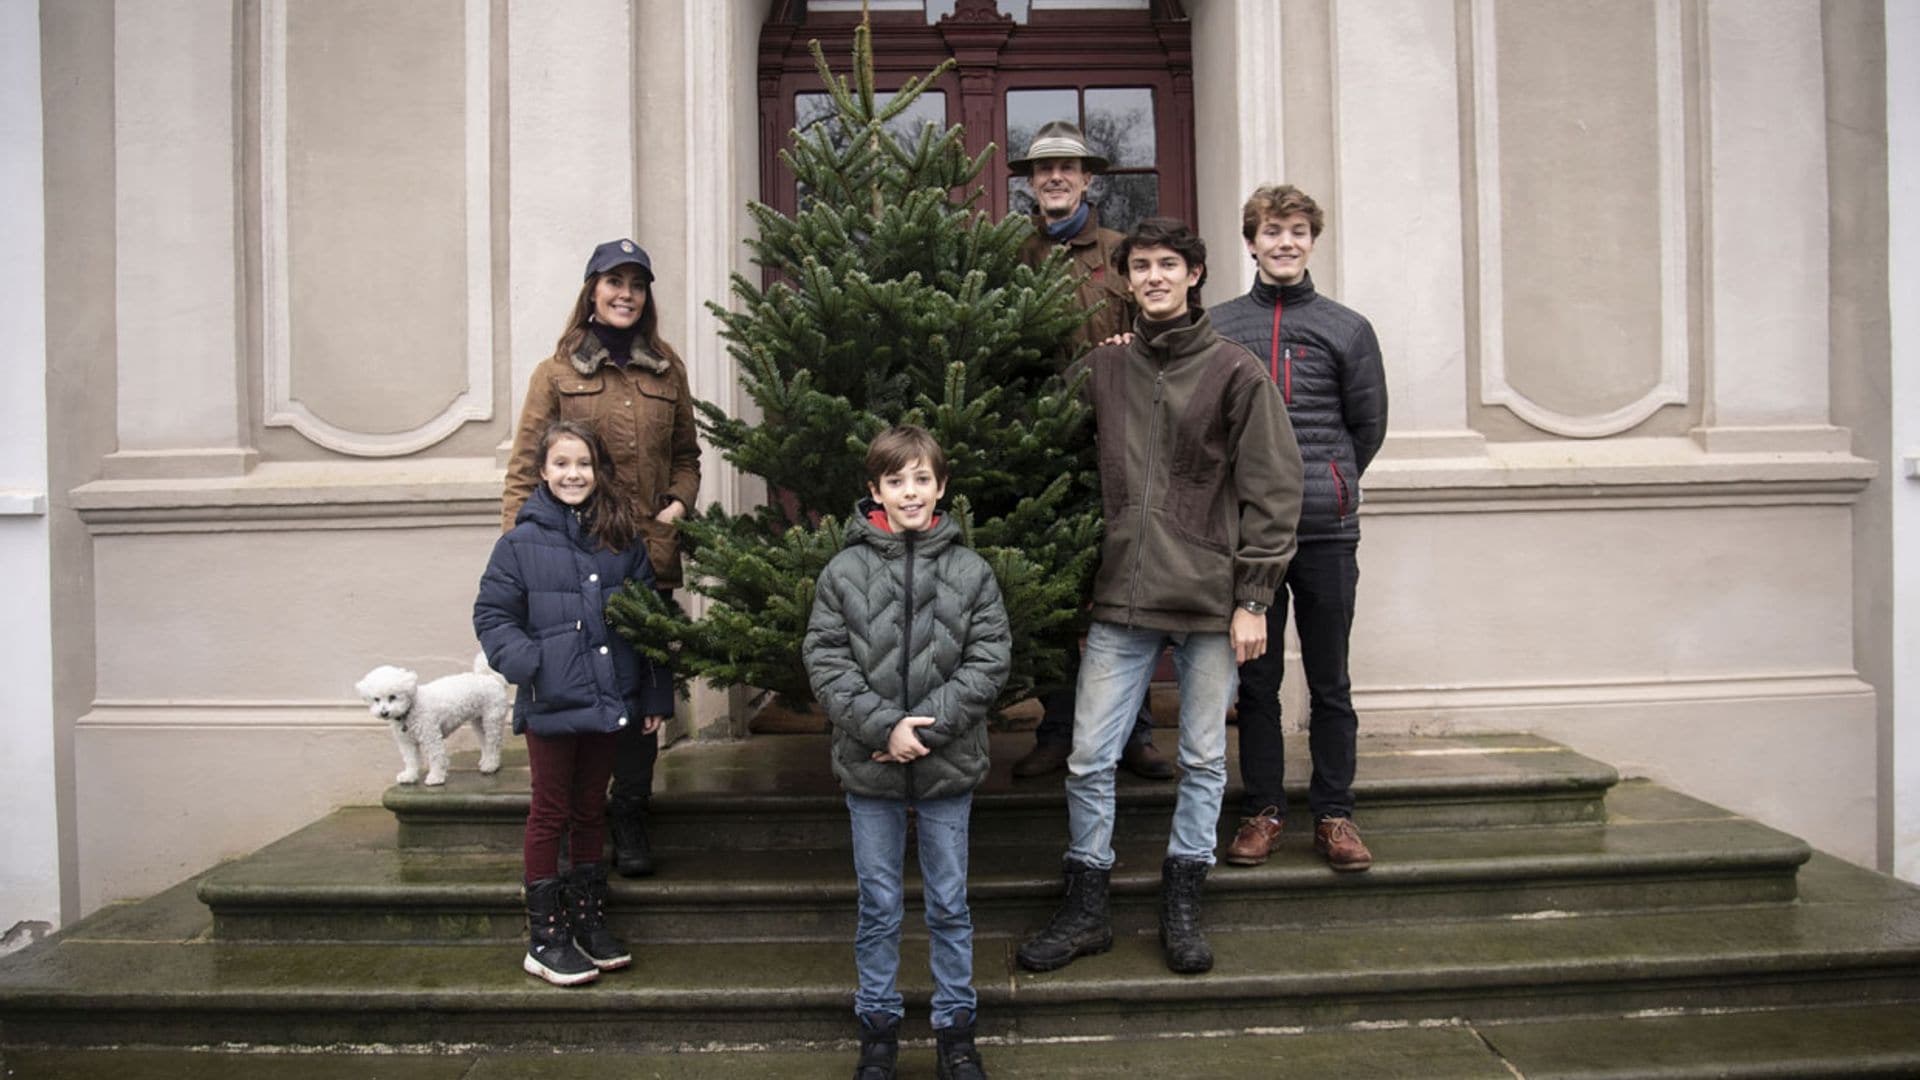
[[899, 446], [1279, 201]]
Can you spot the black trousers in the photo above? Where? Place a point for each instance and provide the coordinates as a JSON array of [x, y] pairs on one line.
[[1322, 581], [634, 753]]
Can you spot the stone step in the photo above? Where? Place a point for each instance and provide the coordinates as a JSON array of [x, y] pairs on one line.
[[343, 878], [778, 791], [151, 974], [1860, 1041]]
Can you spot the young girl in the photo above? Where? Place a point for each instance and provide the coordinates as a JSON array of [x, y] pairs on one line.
[[541, 617]]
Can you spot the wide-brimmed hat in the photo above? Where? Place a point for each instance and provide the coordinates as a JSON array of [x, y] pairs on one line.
[[618, 253], [1058, 139]]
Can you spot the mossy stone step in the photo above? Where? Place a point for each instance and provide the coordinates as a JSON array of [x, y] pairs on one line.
[[1829, 1043], [343, 879], [156, 978], [1823, 1043], [779, 792]]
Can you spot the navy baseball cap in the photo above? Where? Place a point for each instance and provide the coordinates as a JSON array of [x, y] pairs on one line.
[[617, 253]]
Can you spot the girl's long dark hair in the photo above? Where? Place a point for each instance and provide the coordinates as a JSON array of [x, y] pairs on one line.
[[608, 517], [647, 329]]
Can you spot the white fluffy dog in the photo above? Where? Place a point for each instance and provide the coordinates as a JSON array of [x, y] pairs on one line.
[[423, 715]]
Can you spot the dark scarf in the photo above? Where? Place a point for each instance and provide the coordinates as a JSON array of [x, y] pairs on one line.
[[1069, 227]]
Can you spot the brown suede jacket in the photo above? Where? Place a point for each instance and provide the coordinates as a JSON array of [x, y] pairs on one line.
[[1092, 251], [644, 412], [1199, 477]]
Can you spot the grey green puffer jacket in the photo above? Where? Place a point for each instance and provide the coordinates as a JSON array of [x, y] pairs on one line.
[[907, 624]]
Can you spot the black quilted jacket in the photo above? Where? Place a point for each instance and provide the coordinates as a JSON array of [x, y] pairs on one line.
[[1329, 371], [907, 624]]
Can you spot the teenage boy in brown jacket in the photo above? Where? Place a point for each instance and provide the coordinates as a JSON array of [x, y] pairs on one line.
[[1200, 480]]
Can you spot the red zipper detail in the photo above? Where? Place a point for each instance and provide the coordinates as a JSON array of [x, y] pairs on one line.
[[1339, 490], [1274, 359]]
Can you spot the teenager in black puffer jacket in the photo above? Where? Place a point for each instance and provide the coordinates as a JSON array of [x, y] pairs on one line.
[[1326, 360]]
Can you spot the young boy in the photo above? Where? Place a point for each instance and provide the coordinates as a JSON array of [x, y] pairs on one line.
[[907, 648], [1200, 480]]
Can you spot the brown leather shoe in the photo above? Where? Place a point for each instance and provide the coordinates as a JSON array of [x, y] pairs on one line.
[[1146, 762], [1339, 841], [1043, 759], [1255, 840]]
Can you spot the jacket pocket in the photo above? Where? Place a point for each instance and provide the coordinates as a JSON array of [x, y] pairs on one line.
[[562, 682], [580, 396], [1342, 495]]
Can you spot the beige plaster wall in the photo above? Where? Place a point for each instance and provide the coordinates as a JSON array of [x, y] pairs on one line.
[[1679, 596]]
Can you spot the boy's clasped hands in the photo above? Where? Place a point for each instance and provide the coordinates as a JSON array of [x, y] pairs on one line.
[[903, 743]]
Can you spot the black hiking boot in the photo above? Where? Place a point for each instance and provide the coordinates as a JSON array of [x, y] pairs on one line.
[[1180, 935], [1079, 928]]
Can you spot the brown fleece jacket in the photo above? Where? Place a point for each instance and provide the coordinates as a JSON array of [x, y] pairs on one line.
[[1199, 475]]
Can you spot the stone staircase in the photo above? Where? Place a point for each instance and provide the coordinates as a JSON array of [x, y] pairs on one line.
[[1528, 915]]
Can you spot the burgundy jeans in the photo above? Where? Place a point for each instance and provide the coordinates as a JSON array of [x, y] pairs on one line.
[[570, 775]]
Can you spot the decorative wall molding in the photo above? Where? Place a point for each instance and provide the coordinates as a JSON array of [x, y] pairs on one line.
[[1670, 388], [1619, 474], [475, 401], [15, 503]]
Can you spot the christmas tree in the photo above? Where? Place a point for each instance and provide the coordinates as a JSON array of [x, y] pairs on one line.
[[890, 301]]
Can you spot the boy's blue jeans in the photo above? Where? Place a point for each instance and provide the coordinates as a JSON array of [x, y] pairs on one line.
[[1114, 672], [879, 854]]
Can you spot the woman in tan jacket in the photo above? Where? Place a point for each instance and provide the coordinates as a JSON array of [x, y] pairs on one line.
[[612, 372]]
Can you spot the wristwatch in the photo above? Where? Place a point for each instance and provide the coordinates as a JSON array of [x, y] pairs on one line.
[[1253, 606]]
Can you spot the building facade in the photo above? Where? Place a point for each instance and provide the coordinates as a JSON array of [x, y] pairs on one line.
[[1649, 487]]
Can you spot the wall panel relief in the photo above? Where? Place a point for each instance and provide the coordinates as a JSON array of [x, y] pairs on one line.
[[376, 231], [1579, 145]]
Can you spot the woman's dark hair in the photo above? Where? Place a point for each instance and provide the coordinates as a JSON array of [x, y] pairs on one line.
[[607, 516], [647, 329]]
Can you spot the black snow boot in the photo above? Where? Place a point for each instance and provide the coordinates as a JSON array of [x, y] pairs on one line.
[[955, 1056], [586, 891], [879, 1047], [1180, 935], [551, 954], [1080, 928], [627, 820]]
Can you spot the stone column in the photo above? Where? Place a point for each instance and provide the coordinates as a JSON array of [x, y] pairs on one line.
[[1237, 48], [571, 127], [1396, 211], [1903, 243], [1765, 180], [30, 875], [177, 295]]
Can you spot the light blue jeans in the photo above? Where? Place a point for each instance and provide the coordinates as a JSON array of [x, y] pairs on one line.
[[1114, 672], [879, 853]]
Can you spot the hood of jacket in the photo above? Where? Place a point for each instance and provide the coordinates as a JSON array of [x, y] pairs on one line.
[[863, 528]]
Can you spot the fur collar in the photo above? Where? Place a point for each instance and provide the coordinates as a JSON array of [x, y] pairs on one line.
[[591, 354]]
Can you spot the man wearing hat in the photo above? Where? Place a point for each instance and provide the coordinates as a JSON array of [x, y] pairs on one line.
[[1058, 166]]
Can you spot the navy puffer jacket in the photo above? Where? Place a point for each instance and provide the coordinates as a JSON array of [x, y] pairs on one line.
[[1329, 371], [541, 617], [907, 624]]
